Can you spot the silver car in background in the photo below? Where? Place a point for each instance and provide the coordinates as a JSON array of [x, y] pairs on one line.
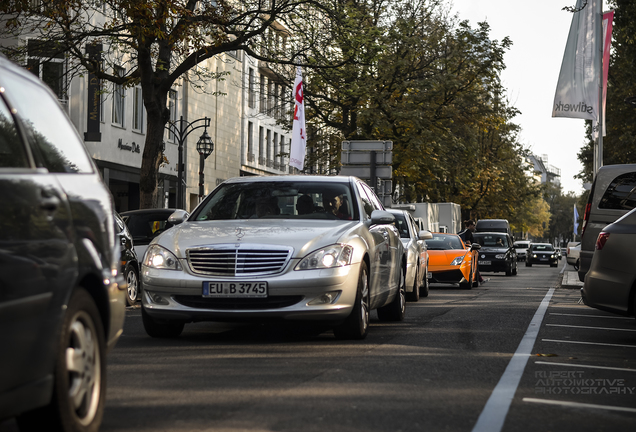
[[310, 248], [610, 283], [416, 254]]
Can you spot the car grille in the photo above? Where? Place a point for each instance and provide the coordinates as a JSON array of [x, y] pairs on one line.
[[228, 260], [272, 302]]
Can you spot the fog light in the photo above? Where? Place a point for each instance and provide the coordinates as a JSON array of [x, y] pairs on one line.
[[155, 298], [325, 298]]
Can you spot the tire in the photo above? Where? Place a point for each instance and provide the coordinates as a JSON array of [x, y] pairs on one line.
[[424, 288], [356, 325], [467, 285], [79, 384], [475, 283], [395, 310], [577, 264], [528, 264], [515, 270], [415, 295], [161, 328], [132, 293], [509, 270]]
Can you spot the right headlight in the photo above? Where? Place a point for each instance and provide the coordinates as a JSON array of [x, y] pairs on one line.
[[161, 258], [337, 255]]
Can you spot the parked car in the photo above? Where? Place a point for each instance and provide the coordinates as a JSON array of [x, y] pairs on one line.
[[145, 225], [493, 225], [574, 250], [497, 253], [129, 262], [521, 247], [416, 252], [613, 194], [310, 248], [541, 253], [62, 303], [451, 261], [610, 282]]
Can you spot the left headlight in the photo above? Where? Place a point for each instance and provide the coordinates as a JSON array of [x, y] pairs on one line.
[[161, 258], [500, 256], [457, 261], [332, 256]]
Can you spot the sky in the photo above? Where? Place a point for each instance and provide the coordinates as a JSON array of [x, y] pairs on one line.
[[539, 31]]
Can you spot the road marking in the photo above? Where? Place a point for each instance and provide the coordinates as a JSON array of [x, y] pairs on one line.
[[593, 316], [579, 405], [590, 327], [496, 409], [585, 366], [587, 343]]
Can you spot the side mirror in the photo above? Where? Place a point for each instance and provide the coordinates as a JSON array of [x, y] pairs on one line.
[[425, 235], [475, 246], [178, 217], [381, 217]]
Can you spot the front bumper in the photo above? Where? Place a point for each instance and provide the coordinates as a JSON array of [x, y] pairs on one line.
[[293, 295]]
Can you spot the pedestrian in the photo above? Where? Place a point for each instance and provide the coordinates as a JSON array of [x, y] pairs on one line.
[[467, 236]]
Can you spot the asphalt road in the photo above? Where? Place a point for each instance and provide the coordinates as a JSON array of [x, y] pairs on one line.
[[449, 366]]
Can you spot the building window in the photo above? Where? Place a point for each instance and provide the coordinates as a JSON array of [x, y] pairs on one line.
[[172, 107], [138, 110], [47, 63], [281, 160], [119, 100], [263, 94], [251, 99], [275, 150], [250, 142], [261, 152], [269, 148]]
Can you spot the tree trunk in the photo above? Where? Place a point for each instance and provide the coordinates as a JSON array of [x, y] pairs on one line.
[[150, 161]]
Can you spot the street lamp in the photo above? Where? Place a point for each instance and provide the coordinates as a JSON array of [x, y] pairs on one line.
[[205, 147], [181, 134]]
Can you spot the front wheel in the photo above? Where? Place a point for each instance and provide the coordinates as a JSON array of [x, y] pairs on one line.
[[356, 325], [79, 390], [577, 264], [132, 293], [528, 264], [415, 295], [395, 310], [424, 288]]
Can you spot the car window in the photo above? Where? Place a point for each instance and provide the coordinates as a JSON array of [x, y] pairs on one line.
[[367, 205], [491, 240], [12, 151], [373, 197], [55, 142], [401, 224], [444, 242], [621, 193], [279, 200], [147, 226], [541, 247]]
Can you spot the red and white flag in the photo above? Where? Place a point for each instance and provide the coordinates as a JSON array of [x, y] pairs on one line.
[[299, 133]]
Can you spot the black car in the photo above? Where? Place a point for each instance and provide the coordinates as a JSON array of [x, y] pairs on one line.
[[129, 262], [146, 224], [542, 253], [62, 301], [497, 253]]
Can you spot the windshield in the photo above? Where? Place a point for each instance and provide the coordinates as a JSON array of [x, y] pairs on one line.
[[542, 247], [401, 224], [444, 242], [279, 200], [491, 240]]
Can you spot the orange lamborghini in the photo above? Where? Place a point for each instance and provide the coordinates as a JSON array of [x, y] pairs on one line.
[[451, 261]]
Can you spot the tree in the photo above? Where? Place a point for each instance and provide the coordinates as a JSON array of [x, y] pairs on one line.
[[619, 144], [154, 43]]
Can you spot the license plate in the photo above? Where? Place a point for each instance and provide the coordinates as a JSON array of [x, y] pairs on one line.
[[429, 275], [235, 289], [484, 262], [543, 259]]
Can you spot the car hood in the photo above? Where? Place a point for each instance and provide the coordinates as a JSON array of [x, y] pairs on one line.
[[303, 236], [443, 257]]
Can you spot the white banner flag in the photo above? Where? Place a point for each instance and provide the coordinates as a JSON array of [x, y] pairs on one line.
[[299, 134], [578, 86]]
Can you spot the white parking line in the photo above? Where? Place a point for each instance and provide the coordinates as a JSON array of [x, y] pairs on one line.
[[590, 327], [494, 413], [572, 365], [587, 343], [593, 316], [579, 405]]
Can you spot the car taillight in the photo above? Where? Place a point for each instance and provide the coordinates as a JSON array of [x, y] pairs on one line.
[[601, 240], [586, 217]]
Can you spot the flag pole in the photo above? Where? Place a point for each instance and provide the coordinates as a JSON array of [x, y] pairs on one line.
[[599, 36]]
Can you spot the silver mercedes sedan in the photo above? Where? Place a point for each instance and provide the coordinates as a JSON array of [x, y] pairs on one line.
[[310, 248]]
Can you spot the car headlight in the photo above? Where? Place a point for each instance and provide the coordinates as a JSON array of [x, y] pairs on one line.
[[500, 256], [457, 261], [332, 256], [161, 258], [534, 255], [553, 256]]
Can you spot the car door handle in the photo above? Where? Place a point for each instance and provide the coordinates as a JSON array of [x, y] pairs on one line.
[[49, 202]]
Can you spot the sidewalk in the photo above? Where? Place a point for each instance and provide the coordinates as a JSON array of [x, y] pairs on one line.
[[571, 280]]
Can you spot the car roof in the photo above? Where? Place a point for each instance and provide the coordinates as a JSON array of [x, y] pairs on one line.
[[297, 178], [489, 232], [148, 211]]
